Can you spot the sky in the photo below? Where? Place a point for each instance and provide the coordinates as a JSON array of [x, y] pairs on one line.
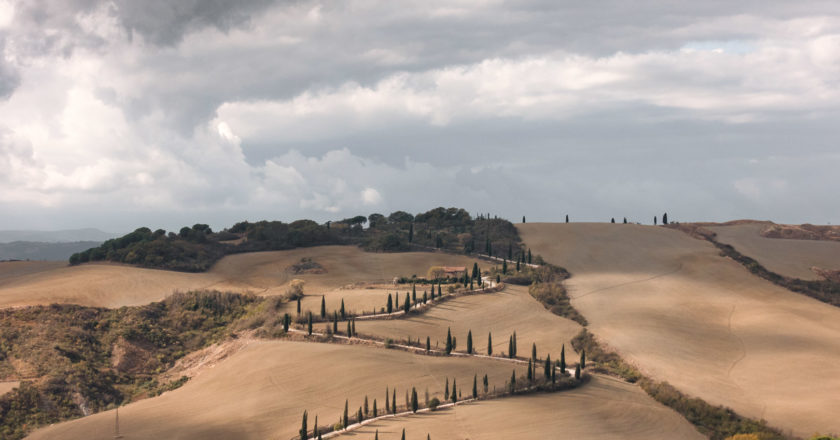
[[120, 114]]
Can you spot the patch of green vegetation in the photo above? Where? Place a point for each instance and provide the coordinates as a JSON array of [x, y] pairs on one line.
[[716, 422], [546, 286], [91, 359]]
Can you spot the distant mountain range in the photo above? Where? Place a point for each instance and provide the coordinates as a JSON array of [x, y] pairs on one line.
[[62, 236], [49, 245]]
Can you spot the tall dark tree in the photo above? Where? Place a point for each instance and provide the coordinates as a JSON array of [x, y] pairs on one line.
[[514, 344], [486, 383], [547, 369], [424, 297], [387, 400], [394, 401], [567, 218], [625, 220], [582, 359], [315, 432], [534, 351], [523, 219], [390, 307], [469, 342], [612, 220], [517, 265], [529, 255], [454, 393], [323, 307], [341, 310], [448, 341], [407, 304], [359, 416], [346, 419], [335, 321], [375, 410], [530, 367], [471, 284], [396, 300], [665, 218], [304, 429], [446, 390], [510, 347], [513, 381], [563, 359], [413, 294], [414, 403], [309, 323], [428, 344], [286, 321], [577, 371], [353, 322], [298, 306], [504, 267], [475, 270], [654, 220], [475, 386], [403, 435], [489, 344], [349, 330], [439, 291], [376, 436], [366, 408]]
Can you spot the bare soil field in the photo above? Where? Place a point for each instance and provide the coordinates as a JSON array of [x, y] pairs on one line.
[[5, 387], [114, 285], [262, 391], [603, 409], [501, 313], [671, 305], [788, 257]]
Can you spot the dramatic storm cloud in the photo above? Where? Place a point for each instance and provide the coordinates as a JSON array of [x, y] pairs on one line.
[[116, 114]]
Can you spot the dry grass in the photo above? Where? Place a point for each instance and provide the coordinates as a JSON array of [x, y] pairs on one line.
[[603, 409], [501, 313], [5, 387], [788, 257], [671, 305], [262, 391], [114, 285]]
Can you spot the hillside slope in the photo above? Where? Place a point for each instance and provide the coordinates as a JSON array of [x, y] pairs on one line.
[[670, 304]]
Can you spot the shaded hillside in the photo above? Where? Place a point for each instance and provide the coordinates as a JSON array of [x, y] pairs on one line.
[[197, 248], [81, 360]]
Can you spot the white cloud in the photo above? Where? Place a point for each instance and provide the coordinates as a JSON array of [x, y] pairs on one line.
[[371, 197]]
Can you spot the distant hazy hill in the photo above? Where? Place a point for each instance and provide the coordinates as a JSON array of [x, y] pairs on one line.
[[63, 236], [35, 250]]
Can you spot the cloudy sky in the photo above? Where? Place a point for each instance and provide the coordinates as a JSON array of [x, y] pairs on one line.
[[118, 114]]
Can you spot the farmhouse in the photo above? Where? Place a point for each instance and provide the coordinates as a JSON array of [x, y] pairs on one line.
[[454, 271]]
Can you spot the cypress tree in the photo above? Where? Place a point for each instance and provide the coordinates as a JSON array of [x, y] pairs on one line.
[[375, 412], [323, 307], [547, 372], [517, 265], [359, 415], [504, 267], [612, 220], [475, 270], [366, 406], [665, 218], [523, 219], [439, 291], [489, 344], [625, 220], [403, 435], [349, 330], [343, 315], [407, 305], [315, 432], [529, 255], [469, 342], [286, 320], [553, 372], [303, 428], [397, 300], [335, 321], [376, 436], [471, 284], [475, 386], [414, 403], [448, 341], [298, 306], [413, 294], [567, 218], [346, 419], [514, 344], [534, 352], [563, 359], [454, 343], [454, 392], [428, 344], [654, 220], [353, 322], [387, 400], [582, 359], [446, 390], [394, 401], [530, 366], [577, 371], [485, 383], [390, 307], [424, 297], [513, 381], [510, 347], [309, 323]]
